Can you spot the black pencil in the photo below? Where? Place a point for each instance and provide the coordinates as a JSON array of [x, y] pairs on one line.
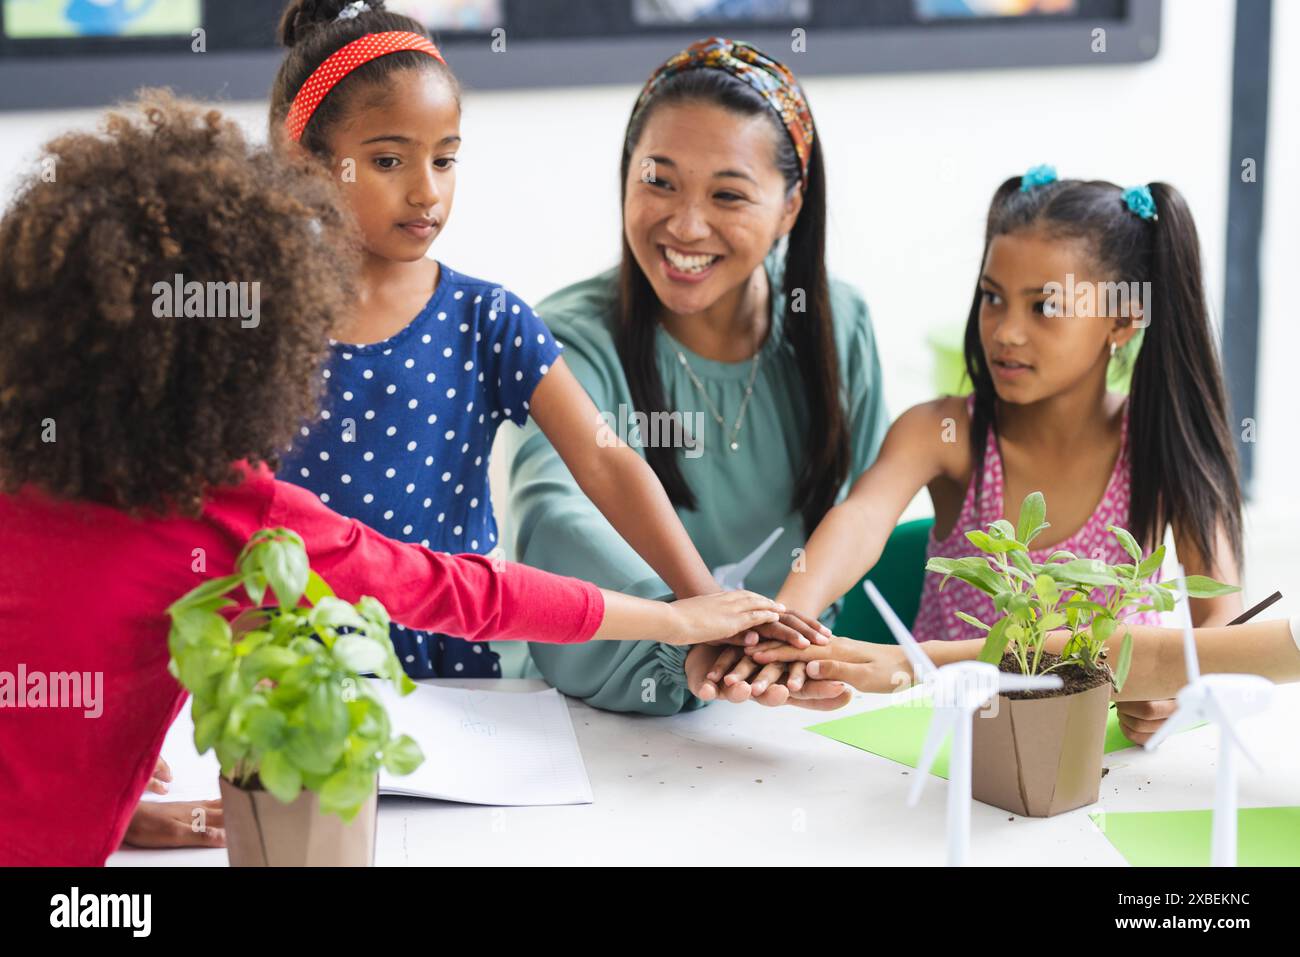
[[1250, 613]]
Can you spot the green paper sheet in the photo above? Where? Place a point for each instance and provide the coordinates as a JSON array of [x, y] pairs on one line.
[[1266, 836], [897, 732]]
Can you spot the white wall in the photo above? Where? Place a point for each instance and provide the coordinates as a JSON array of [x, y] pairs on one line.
[[1274, 521], [912, 161]]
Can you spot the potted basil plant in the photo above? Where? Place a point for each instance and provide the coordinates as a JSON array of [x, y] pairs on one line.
[[278, 693], [1038, 753]]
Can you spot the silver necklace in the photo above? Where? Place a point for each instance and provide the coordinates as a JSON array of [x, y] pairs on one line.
[[734, 445]]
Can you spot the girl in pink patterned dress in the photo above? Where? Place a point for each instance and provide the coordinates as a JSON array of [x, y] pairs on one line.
[[1071, 271]]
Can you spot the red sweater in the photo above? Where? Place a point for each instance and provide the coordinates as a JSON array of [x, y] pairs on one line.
[[83, 588]]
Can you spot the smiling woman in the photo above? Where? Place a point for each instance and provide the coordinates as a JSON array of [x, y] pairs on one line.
[[721, 312], [429, 363]]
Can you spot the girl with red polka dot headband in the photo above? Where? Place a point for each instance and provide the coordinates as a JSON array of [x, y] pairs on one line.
[[432, 362]]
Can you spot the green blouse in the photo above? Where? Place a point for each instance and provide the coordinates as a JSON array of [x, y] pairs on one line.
[[743, 494]]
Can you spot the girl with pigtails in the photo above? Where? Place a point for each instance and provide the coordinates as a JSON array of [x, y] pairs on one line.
[[1041, 417], [429, 363]]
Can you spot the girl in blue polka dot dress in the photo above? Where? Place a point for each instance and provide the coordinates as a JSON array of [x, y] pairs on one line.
[[433, 361]]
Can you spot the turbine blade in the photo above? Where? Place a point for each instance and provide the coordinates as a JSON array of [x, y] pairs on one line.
[[921, 663], [1180, 719], [750, 561], [1224, 721], [941, 725]]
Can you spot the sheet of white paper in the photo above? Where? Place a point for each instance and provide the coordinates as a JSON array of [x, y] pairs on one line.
[[480, 747], [488, 747], [194, 775]]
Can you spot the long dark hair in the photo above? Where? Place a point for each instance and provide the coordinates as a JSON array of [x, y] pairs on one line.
[[313, 32], [1184, 463], [809, 333]]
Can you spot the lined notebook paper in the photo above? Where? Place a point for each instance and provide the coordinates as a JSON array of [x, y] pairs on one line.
[[488, 747]]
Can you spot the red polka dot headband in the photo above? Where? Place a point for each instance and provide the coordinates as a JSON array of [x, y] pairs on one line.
[[342, 62]]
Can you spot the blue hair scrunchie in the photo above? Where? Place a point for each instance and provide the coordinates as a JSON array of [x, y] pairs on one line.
[[1039, 175], [1140, 202]]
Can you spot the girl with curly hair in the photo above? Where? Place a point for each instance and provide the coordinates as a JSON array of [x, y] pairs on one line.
[[136, 446]]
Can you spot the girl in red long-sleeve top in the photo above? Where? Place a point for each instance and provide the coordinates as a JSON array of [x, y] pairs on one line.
[[165, 301]]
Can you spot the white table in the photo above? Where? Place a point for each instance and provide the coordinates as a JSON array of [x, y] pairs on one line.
[[745, 784]]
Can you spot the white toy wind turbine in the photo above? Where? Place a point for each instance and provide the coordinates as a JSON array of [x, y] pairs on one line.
[[732, 576], [1222, 699], [958, 690]]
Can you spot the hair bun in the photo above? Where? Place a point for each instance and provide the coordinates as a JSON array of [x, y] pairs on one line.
[[303, 16]]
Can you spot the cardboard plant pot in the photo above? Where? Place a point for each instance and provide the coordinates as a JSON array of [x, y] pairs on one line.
[[1039, 753], [263, 832]]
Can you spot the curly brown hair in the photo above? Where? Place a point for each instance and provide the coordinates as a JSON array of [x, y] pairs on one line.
[[147, 412]]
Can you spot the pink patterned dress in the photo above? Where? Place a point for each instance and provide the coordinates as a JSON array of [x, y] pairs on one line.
[[935, 619]]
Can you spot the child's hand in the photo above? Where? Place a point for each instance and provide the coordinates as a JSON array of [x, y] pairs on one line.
[[720, 616], [775, 683], [176, 824], [162, 774], [1140, 720], [706, 666], [862, 664], [793, 627]]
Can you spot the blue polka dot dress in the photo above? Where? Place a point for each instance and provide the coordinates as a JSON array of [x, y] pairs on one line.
[[404, 436]]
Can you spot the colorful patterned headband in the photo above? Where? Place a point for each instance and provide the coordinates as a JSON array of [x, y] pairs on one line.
[[342, 62], [771, 80]]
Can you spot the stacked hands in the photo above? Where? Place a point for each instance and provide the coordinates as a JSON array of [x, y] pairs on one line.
[[796, 660], [781, 657], [784, 661]]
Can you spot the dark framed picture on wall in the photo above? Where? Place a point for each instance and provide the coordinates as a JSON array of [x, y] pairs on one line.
[[90, 52]]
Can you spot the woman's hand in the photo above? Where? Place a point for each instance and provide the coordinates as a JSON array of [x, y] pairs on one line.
[[176, 824], [720, 616], [793, 627], [866, 666]]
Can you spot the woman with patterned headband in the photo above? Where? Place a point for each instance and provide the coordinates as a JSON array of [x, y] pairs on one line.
[[753, 373], [429, 363]]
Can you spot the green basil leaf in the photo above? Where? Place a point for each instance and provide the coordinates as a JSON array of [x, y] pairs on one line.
[[213, 588], [1126, 541], [335, 613], [317, 588], [206, 730], [1125, 661], [1033, 510], [971, 620], [995, 645], [345, 791], [327, 714], [1199, 586], [1083, 571], [286, 570], [403, 755], [1002, 529], [279, 776], [1149, 565], [361, 655], [265, 728]]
